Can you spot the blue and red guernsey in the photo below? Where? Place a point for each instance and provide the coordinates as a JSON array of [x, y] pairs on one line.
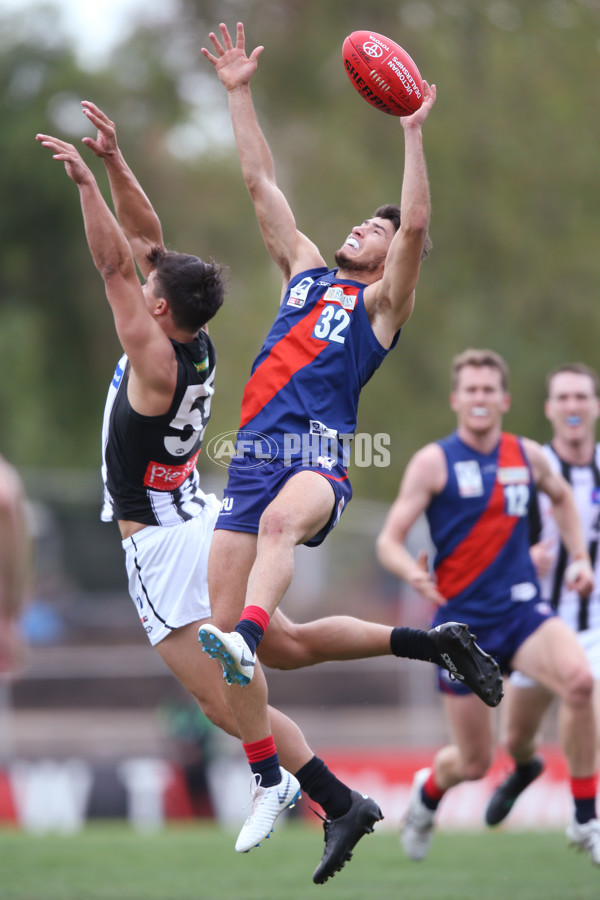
[[307, 378], [479, 525]]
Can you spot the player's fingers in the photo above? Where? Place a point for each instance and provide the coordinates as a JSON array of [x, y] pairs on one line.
[[216, 44], [241, 38], [227, 42], [46, 140], [422, 560], [94, 110]]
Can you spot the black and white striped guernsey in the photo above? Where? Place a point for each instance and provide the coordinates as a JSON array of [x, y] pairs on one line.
[[580, 613], [149, 462]]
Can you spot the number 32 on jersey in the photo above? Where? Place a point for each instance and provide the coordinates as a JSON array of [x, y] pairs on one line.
[[332, 324]]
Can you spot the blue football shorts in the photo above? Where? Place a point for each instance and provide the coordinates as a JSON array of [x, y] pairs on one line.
[[500, 639], [251, 487]]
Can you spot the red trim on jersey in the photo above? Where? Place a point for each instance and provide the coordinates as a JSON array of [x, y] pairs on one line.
[[291, 353], [331, 477], [480, 547]]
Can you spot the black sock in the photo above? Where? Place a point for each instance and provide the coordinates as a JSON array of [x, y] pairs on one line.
[[324, 788], [585, 809], [251, 632], [413, 644]]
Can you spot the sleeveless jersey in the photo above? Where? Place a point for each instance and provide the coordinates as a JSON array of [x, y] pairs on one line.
[[479, 525], [149, 462], [305, 383], [579, 613]]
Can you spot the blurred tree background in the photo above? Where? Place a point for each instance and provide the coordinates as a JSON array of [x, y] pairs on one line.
[[512, 148]]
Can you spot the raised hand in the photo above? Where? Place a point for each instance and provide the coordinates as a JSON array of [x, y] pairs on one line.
[[233, 67], [63, 152], [418, 117], [106, 142]]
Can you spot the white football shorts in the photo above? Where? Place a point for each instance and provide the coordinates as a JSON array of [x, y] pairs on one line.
[[589, 640], [167, 570]]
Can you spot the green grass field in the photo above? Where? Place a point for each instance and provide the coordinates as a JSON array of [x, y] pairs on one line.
[[199, 863]]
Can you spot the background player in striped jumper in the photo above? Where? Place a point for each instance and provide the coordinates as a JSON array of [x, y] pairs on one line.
[[475, 488], [152, 487], [572, 407], [332, 331]]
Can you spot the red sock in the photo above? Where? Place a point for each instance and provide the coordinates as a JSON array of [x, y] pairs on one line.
[[431, 788], [259, 750], [584, 797], [258, 615], [264, 761], [584, 788]]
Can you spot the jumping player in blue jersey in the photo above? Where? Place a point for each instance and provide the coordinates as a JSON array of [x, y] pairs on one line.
[[475, 487], [333, 329]]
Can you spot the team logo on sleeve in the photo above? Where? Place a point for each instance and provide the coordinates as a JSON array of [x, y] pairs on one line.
[[299, 293], [468, 478]]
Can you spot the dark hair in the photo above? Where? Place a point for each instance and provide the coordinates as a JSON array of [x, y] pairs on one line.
[[479, 359], [391, 211], [194, 289], [575, 369]]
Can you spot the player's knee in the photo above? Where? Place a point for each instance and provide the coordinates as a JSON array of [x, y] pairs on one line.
[[579, 686], [275, 524]]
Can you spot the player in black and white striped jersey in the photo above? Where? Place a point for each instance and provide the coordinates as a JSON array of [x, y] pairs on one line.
[[156, 412]]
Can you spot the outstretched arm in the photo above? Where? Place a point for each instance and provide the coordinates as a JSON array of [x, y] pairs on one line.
[[424, 477], [135, 213], [291, 250], [147, 346], [15, 546], [15, 562], [390, 302]]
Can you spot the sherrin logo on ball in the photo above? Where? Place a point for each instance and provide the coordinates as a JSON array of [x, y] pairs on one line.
[[383, 73]]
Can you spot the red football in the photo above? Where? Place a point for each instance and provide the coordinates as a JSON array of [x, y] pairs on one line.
[[383, 73]]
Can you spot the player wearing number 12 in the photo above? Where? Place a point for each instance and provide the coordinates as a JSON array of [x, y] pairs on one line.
[[475, 487]]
